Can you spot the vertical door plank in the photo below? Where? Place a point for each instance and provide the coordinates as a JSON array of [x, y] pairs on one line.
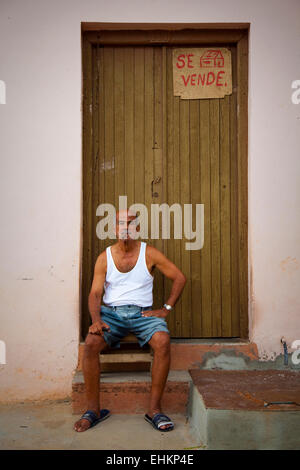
[[158, 291], [101, 132], [96, 151], [195, 199], [149, 132], [164, 127], [184, 123], [139, 125], [235, 301], [119, 117], [176, 198], [225, 216], [215, 218], [129, 123], [109, 158], [205, 199], [164, 188], [169, 181]]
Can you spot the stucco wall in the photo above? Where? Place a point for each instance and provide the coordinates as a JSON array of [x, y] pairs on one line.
[[40, 62]]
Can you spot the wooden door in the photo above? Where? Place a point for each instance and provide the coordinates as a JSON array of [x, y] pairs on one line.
[[153, 147]]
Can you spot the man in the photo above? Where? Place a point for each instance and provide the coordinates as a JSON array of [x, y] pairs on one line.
[[124, 270]]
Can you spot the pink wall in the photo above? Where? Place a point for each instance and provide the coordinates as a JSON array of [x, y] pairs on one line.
[[41, 176]]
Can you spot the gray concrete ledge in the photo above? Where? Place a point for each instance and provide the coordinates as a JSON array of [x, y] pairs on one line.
[[240, 430]]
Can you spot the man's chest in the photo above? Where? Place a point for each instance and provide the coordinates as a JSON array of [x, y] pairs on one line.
[[127, 262]]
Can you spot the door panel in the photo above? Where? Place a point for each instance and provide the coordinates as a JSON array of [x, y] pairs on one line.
[[140, 131]]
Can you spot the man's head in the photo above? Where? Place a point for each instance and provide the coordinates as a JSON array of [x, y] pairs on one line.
[[127, 225]]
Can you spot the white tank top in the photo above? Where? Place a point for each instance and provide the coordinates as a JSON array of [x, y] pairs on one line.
[[132, 288]]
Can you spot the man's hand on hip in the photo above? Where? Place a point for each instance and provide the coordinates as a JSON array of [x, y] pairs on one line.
[[161, 313]]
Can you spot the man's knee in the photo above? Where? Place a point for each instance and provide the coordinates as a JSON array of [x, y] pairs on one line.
[[94, 344], [160, 342]]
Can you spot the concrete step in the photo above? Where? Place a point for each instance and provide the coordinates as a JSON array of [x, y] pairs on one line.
[[129, 392], [197, 354], [233, 410]]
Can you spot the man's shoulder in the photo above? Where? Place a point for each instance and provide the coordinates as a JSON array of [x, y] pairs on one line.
[[153, 252], [101, 261], [102, 255]]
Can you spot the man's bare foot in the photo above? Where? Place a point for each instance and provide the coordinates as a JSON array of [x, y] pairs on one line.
[[152, 413], [84, 424]]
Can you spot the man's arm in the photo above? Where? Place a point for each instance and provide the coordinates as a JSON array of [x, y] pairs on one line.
[[95, 295], [170, 270]]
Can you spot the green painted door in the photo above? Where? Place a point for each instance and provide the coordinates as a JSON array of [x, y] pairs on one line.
[[141, 141]]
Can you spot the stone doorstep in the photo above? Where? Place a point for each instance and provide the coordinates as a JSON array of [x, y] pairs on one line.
[[128, 392], [193, 355]]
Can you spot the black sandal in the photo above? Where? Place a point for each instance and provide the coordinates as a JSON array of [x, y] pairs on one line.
[[93, 418], [159, 420]]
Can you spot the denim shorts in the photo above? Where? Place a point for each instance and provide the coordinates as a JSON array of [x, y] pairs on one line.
[[126, 319]]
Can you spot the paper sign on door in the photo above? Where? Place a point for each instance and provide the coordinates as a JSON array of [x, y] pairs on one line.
[[202, 72]]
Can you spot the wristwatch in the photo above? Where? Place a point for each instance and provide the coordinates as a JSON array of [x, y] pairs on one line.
[[168, 307]]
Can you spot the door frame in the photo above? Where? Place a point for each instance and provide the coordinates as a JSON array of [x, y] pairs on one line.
[[180, 34]]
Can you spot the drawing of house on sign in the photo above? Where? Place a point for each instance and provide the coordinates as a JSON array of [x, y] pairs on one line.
[[212, 58]]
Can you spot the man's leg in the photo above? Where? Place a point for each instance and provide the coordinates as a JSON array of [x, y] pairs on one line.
[[160, 343], [94, 344]]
